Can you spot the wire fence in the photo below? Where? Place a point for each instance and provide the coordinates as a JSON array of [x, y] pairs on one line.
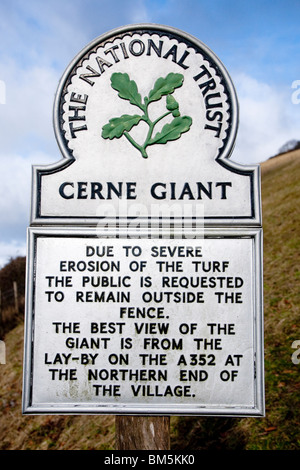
[[9, 297], [10, 307]]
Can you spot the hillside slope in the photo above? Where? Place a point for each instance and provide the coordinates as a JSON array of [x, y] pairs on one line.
[[281, 224], [278, 430]]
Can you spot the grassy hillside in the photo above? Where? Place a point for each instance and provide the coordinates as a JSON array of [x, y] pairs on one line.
[[278, 430]]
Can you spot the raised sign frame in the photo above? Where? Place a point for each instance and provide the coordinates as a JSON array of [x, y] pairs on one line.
[[129, 406]]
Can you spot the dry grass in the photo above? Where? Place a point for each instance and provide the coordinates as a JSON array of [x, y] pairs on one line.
[[281, 161], [281, 222], [19, 432], [278, 430]]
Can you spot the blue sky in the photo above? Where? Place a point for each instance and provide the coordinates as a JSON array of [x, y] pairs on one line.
[[258, 41]]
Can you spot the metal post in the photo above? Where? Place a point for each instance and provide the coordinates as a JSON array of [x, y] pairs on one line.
[[142, 433]]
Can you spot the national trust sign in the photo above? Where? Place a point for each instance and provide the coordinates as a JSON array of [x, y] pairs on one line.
[[144, 277]]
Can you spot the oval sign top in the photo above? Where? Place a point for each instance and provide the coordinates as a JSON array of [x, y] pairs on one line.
[[138, 88], [146, 118]]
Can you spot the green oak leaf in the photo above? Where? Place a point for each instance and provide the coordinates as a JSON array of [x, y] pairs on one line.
[[173, 130], [117, 126], [165, 86], [127, 88]]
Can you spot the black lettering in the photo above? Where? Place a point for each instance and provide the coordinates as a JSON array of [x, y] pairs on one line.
[[201, 74], [217, 129], [96, 189], [112, 51], [207, 191], [131, 190], [208, 98], [156, 48], [76, 116], [141, 47], [223, 189], [73, 129], [182, 59], [186, 192], [86, 76], [172, 52], [209, 85], [101, 63], [217, 115], [153, 189], [78, 99], [62, 193], [123, 49], [111, 188], [81, 190]]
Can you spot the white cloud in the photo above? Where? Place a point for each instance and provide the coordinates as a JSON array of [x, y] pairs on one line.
[[27, 138], [15, 188], [11, 249], [27, 112], [15, 202], [139, 12], [268, 119]]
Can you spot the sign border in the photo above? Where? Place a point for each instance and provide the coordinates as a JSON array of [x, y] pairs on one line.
[[255, 234]]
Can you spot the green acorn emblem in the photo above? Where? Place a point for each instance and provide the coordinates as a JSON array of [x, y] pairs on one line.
[[128, 90]]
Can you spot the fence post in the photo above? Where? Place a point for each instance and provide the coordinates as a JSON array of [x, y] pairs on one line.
[[1, 320], [2, 353], [16, 296]]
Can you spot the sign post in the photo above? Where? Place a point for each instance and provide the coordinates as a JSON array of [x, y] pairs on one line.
[[142, 432], [144, 280]]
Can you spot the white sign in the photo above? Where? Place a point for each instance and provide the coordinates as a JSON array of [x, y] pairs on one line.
[[146, 119], [144, 274], [146, 325]]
